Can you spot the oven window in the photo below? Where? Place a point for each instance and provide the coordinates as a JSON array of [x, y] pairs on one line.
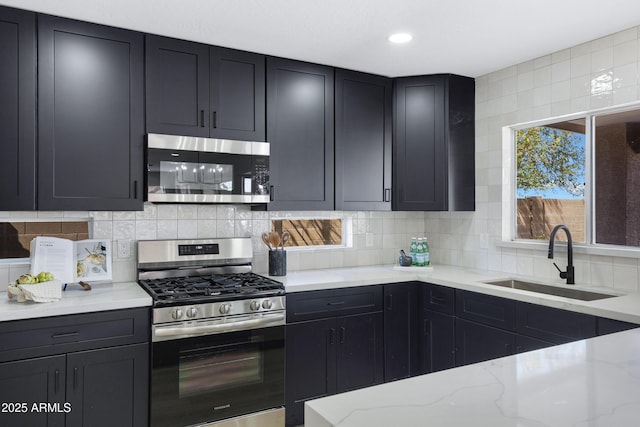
[[216, 368]]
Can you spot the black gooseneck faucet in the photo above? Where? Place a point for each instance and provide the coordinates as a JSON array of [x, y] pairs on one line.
[[570, 273]]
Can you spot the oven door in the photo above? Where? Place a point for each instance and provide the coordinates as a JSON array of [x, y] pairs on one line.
[[213, 377]]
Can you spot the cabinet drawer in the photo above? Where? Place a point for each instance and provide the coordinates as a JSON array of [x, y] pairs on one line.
[[486, 309], [438, 298], [62, 334], [552, 324], [334, 302]]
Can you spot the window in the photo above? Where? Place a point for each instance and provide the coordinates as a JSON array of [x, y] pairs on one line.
[[583, 172], [311, 232]]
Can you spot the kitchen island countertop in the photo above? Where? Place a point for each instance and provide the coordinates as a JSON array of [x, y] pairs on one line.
[[593, 382]]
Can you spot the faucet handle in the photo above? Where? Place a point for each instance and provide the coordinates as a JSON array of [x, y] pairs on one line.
[[563, 274]]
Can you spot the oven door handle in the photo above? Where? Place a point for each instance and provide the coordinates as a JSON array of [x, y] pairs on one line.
[[270, 319]]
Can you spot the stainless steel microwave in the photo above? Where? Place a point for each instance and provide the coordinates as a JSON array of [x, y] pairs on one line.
[[186, 169]]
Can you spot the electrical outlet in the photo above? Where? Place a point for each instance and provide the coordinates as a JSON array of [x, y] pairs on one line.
[[124, 249]]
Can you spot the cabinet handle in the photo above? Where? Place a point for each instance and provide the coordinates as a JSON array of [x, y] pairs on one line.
[[437, 300], [332, 336], [214, 119], [64, 335], [272, 193], [343, 333], [390, 302], [135, 189], [427, 327], [336, 303], [75, 377], [387, 195], [201, 118], [56, 381]]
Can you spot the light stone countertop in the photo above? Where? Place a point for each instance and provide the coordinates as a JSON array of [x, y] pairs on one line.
[[75, 300], [594, 382], [625, 307]]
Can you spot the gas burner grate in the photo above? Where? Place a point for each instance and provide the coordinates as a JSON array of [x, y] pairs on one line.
[[217, 287]]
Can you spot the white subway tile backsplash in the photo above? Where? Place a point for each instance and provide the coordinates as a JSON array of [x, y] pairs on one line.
[[207, 228], [124, 230], [225, 228], [207, 212], [187, 229], [167, 212], [187, 211], [146, 229], [167, 229]]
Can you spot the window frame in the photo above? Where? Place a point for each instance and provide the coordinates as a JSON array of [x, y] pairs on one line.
[[509, 187]]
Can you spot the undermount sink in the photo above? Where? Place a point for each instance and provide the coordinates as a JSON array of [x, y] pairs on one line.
[[550, 290]]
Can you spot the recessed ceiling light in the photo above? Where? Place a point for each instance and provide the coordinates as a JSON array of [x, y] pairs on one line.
[[400, 38]]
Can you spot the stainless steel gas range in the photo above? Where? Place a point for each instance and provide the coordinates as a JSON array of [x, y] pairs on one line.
[[218, 335]]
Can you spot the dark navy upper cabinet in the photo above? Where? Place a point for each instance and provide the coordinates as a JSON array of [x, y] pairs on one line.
[[363, 106], [90, 116], [199, 90], [300, 129], [17, 109], [237, 95], [434, 147], [177, 87]]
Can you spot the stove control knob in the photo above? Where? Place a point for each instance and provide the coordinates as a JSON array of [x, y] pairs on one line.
[[225, 308], [254, 305], [267, 304], [177, 314], [192, 312]]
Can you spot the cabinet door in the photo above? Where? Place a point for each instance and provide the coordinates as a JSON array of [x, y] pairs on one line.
[[237, 95], [437, 343], [476, 342], [300, 130], [610, 326], [177, 87], [363, 141], [33, 381], [553, 324], [17, 109], [486, 309], [525, 343], [310, 365], [420, 163], [109, 387], [90, 116], [400, 349], [359, 351]]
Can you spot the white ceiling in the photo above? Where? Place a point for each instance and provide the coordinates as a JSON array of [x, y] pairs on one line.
[[467, 37]]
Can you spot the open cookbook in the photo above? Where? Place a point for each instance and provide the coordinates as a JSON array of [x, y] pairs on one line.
[[71, 262]]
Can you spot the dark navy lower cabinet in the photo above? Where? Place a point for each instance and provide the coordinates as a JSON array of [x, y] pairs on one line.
[[610, 326], [476, 342], [437, 343], [88, 369], [400, 319], [334, 343]]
